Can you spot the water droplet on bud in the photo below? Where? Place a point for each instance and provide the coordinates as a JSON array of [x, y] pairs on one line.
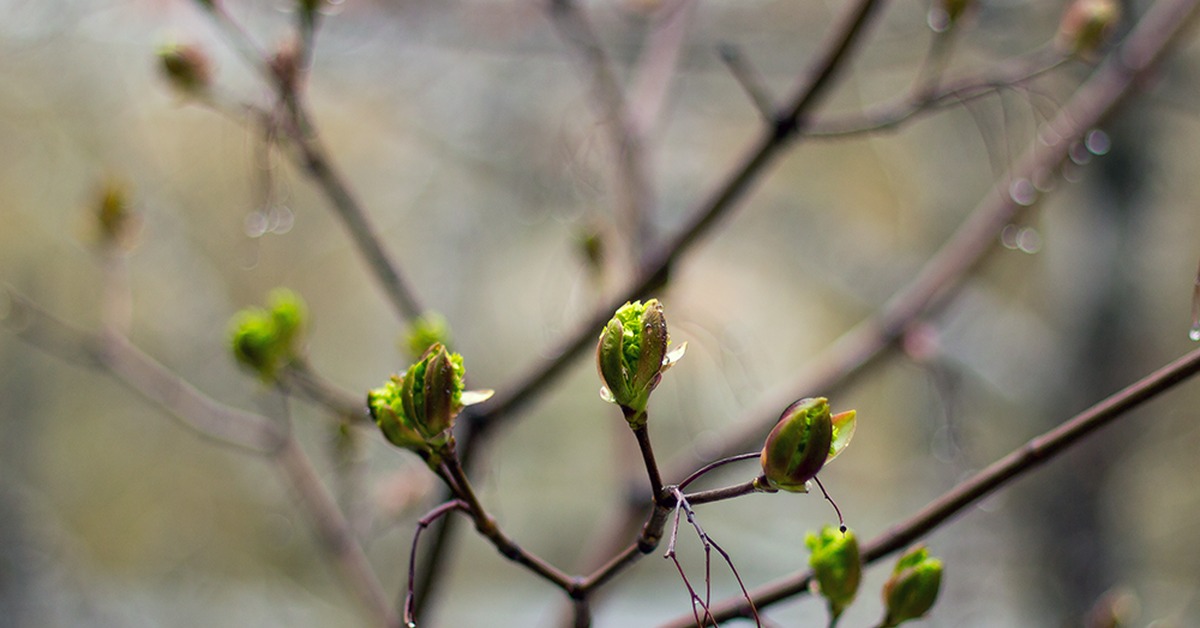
[[1194, 333]]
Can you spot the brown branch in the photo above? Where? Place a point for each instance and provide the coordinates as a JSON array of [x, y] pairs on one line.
[[1019, 462]]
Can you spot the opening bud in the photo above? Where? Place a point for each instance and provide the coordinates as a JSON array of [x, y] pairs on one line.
[[266, 340], [417, 410], [913, 587], [806, 437], [837, 566], [632, 355]]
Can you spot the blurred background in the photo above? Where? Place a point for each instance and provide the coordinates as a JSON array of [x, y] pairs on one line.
[[467, 129]]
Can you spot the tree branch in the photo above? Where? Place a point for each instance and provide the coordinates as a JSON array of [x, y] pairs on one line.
[[1021, 461]]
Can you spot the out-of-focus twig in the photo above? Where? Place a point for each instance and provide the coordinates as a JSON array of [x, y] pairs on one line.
[[1017, 463], [231, 426], [631, 179], [947, 93], [312, 157]]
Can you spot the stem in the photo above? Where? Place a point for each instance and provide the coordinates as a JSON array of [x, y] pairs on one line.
[[422, 523], [696, 475], [486, 525], [1017, 463], [643, 439], [720, 494]]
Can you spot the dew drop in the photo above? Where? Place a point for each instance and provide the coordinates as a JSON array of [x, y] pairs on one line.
[[1022, 192], [256, 224], [1194, 333], [607, 395], [1029, 240], [938, 20], [1008, 237], [1097, 142], [282, 219]]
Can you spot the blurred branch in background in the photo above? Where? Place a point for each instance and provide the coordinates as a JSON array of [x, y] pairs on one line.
[[634, 114]]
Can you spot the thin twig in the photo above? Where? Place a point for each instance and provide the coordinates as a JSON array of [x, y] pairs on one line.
[[486, 525], [1019, 462], [634, 193], [422, 523], [702, 471], [749, 80], [948, 93]]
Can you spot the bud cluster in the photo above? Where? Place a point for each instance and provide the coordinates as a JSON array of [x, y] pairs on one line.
[[265, 340], [416, 410]]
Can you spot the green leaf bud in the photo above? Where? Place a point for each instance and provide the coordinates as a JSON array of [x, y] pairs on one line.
[[186, 68], [836, 565], [632, 355], [388, 412], [417, 410], [265, 340], [913, 587], [799, 445]]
